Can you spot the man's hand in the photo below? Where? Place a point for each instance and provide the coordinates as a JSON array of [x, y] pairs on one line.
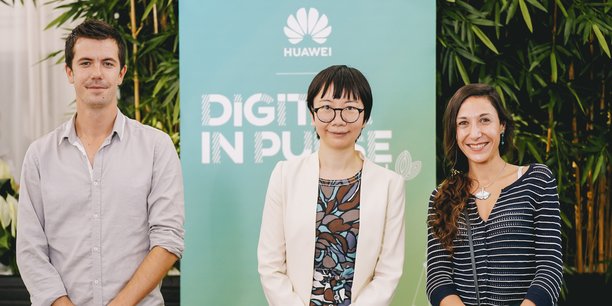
[[150, 273], [62, 301]]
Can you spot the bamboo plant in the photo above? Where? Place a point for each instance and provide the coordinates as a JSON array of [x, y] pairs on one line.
[[550, 62]]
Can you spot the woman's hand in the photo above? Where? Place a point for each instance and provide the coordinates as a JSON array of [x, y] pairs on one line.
[[451, 300], [527, 302]]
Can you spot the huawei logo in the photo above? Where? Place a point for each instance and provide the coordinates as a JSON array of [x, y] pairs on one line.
[[312, 24]]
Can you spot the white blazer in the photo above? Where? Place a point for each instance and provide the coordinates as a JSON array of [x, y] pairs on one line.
[[287, 238]]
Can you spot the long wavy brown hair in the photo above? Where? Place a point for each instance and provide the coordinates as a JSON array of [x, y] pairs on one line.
[[454, 191]]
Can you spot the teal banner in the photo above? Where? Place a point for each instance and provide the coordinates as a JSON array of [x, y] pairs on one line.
[[245, 67]]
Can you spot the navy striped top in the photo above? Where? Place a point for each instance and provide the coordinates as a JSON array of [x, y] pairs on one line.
[[517, 250]]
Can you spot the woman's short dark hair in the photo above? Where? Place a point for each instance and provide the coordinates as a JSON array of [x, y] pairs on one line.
[[347, 81], [94, 29]]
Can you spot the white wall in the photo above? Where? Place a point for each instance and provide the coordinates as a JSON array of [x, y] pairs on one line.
[[34, 97]]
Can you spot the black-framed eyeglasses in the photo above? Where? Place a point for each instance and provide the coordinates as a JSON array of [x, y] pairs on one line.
[[327, 114]]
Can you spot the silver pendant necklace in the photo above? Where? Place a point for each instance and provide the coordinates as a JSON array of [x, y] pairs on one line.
[[483, 194]]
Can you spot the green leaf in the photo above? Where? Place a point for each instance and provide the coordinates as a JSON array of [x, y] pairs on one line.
[[63, 18], [148, 10], [50, 55], [535, 152], [568, 29], [539, 79], [4, 240], [553, 67], [483, 37], [521, 151], [508, 90], [538, 5], [505, 4], [508, 77], [601, 39], [442, 42], [526, 16], [533, 65], [451, 68], [573, 92], [497, 20], [566, 221], [159, 85], [564, 51], [585, 171], [470, 56], [471, 9], [511, 10], [483, 22], [501, 94], [177, 110], [562, 8], [600, 166], [171, 95], [462, 71]]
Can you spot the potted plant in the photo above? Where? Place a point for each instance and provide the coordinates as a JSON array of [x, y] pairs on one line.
[[12, 289], [9, 190]]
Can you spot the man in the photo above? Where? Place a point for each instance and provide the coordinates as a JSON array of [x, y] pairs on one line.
[[101, 201]]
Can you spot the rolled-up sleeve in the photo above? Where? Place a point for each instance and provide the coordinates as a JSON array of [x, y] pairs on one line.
[[166, 199], [40, 277]]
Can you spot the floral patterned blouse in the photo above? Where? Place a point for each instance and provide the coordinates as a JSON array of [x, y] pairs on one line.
[[337, 229]]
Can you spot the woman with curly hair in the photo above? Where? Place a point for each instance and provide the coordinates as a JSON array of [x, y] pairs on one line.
[[494, 228]]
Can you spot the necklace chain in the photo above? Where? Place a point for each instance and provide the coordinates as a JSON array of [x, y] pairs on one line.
[[483, 194]]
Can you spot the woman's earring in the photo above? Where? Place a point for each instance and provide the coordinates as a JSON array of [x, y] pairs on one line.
[[454, 171], [502, 139]]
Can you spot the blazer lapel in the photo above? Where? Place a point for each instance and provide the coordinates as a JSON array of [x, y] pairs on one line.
[[301, 240], [370, 226]]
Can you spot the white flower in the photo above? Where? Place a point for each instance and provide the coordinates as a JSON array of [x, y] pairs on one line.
[[12, 204], [5, 171], [8, 213], [5, 213]]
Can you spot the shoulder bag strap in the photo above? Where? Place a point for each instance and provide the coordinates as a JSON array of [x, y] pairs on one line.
[[469, 234]]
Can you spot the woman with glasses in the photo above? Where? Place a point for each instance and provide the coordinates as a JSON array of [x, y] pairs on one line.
[[332, 231]]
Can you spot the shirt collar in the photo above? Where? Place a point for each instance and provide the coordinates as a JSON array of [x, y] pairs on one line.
[[70, 131]]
